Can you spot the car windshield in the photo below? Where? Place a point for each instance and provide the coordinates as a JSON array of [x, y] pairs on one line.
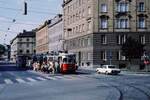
[[111, 67]]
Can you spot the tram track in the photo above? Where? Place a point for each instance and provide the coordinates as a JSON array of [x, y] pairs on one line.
[[124, 88]]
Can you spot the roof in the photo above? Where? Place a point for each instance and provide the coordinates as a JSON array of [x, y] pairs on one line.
[[24, 34], [27, 34]]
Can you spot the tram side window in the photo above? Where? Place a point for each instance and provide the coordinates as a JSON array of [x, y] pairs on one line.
[[70, 60]]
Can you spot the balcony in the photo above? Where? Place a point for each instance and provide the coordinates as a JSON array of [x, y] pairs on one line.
[[126, 0], [125, 13]]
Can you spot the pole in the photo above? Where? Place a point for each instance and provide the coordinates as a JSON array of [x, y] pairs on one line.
[[110, 61]]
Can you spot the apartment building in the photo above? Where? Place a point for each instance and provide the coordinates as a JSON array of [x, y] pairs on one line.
[[42, 38], [96, 29], [23, 44], [55, 34]]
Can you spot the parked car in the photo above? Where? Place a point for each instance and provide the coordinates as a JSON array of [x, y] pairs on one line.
[[108, 69]]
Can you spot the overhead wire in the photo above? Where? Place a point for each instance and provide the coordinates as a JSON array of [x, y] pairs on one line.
[[33, 11]]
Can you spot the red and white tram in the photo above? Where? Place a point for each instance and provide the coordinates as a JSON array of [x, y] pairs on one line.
[[66, 62]]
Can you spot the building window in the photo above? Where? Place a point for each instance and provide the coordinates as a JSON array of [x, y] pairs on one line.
[[27, 39], [27, 51], [80, 2], [141, 6], [90, 56], [20, 39], [89, 25], [103, 39], [141, 22], [103, 55], [122, 23], [21, 51], [27, 45], [122, 7], [103, 23], [103, 8], [20, 45], [82, 13], [89, 11], [142, 39], [121, 39], [120, 56], [82, 27], [89, 41]]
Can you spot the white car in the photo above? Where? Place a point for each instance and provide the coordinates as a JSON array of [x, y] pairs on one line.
[[108, 69]]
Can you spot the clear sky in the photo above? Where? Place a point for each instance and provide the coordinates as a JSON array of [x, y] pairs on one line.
[[12, 21]]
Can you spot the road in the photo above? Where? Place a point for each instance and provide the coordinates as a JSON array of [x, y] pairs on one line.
[[18, 84]]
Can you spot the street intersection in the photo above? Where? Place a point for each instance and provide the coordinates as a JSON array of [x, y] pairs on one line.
[[16, 84]]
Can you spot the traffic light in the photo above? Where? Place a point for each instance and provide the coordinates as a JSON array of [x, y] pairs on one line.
[[24, 8]]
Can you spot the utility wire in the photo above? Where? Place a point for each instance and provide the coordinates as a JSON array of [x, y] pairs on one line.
[[19, 23], [28, 11]]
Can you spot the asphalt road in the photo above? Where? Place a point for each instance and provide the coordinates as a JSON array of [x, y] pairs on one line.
[[18, 84]]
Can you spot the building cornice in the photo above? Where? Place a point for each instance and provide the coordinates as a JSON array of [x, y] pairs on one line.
[[43, 26], [65, 2]]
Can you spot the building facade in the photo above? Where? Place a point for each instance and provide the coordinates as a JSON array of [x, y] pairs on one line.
[[23, 44], [96, 29], [42, 38], [55, 34]]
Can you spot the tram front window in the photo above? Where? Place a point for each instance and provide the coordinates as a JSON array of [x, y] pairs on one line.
[[65, 60]]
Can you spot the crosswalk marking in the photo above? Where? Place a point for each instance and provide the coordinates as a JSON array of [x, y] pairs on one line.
[[72, 77], [31, 79], [69, 77], [51, 78], [59, 77], [20, 80], [40, 78], [8, 81], [43, 78]]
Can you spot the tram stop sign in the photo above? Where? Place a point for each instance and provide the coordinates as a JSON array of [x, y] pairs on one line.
[[146, 62]]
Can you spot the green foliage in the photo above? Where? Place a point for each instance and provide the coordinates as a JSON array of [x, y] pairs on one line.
[[2, 50], [132, 49]]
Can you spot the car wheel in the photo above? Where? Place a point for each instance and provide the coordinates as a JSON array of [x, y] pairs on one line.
[[106, 73], [98, 72]]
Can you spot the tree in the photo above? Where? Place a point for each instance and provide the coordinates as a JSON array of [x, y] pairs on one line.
[[132, 49], [2, 50]]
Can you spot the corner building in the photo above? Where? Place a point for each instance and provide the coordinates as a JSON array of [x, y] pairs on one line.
[[96, 29]]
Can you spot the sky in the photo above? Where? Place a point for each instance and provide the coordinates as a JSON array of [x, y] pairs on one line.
[[12, 20]]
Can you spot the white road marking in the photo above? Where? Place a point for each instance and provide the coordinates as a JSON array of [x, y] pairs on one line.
[[81, 76], [40, 78], [59, 77], [51, 78], [70, 77], [20, 80], [31, 79], [8, 81]]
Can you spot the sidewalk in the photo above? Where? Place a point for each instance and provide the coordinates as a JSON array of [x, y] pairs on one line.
[[93, 70], [134, 72]]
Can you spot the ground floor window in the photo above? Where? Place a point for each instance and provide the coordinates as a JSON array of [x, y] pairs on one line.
[[103, 55]]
